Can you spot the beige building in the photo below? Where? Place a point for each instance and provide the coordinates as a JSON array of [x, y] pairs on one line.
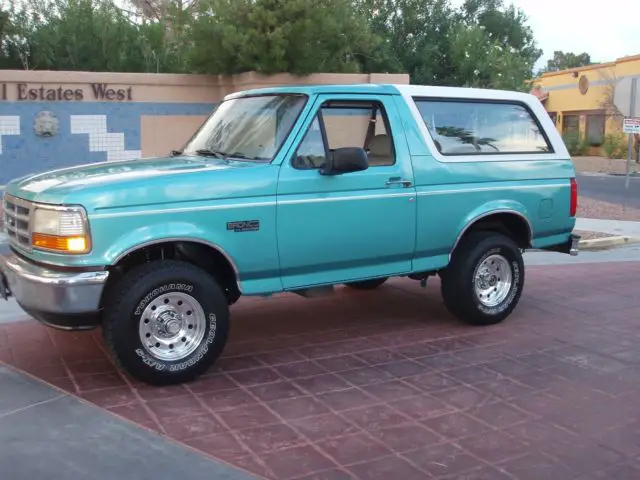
[[582, 99]]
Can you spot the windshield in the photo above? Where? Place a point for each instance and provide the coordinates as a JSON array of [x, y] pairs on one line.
[[249, 128]]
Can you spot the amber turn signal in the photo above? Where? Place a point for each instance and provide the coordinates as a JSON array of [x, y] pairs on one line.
[[74, 244]]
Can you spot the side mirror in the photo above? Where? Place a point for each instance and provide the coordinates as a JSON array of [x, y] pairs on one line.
[[345, 160]]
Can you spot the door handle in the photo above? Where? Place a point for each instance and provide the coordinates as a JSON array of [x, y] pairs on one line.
[[399, 181]]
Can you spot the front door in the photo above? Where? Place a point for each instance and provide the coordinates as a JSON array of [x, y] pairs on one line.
[[334, 229]]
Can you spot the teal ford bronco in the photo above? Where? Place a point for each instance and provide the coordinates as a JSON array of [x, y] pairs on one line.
[[292, 189]]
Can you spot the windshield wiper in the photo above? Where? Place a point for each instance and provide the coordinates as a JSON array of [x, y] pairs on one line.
[[226, 156], [243, 156], [212, 153], [175, 153]]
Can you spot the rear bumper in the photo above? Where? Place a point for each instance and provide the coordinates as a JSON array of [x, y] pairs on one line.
[[570, 247], [68, 300]]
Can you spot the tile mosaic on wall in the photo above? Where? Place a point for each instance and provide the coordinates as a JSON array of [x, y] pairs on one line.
[[9, 125], [87, 133], [100, 140]]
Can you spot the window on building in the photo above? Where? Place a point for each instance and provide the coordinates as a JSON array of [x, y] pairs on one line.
[[481, 128], [595, 129], [570, 123], [361, 124]]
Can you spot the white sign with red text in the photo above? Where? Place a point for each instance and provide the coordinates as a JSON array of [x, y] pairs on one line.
[[631, 125]]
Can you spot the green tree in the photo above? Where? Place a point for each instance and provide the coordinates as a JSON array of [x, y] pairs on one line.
[[89, 35], [271, 36], [507, 26], [478, 60], [563, 61], [10, 45], [481, 43], [478, 43], [416, 36]]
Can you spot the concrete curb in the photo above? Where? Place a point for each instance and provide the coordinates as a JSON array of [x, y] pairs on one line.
[[607, 242], [632, 175]]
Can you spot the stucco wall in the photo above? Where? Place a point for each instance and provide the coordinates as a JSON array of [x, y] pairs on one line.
[[564, 91], [112, 116]]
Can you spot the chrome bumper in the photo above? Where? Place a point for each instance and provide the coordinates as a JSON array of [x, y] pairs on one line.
[[47, 293], [574, 247], [571, 246]]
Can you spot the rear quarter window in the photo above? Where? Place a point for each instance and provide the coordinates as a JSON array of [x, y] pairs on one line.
[[473, 128]]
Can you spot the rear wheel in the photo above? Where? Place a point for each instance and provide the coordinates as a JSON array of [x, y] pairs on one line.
[[367, 284], [166, 322], [484, 280]]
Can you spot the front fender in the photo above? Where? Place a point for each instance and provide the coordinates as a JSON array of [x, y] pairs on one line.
[[165, 232], [253, 251], [252, 254]]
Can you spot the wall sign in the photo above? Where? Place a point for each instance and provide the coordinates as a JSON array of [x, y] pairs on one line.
[[101, 92], [631, 125]]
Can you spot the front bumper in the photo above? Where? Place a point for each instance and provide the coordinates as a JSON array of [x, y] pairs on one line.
[[68, 299]]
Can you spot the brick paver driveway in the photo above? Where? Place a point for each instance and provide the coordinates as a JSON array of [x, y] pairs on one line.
[[386, 385]]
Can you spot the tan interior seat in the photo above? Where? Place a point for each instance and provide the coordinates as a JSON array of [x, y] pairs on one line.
[[380, 150]]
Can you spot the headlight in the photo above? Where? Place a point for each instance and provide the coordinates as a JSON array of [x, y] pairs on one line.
[[63, 230]]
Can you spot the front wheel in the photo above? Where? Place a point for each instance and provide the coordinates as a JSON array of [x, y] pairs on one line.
[[166, 322], [484, 280]]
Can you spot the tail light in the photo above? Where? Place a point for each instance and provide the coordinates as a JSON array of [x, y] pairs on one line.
[[574, 198]]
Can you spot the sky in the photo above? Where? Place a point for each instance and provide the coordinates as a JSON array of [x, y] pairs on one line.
[[606, 30]]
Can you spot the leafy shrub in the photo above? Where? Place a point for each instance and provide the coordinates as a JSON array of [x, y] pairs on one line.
[[614, 145], [576, 143]]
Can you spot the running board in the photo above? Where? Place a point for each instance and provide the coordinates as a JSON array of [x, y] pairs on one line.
[[315, 292]]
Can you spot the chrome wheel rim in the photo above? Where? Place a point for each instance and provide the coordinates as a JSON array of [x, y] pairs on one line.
[[493, 280], [172, 326]]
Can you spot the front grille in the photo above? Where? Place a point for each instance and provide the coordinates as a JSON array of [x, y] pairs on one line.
[[17, 213]]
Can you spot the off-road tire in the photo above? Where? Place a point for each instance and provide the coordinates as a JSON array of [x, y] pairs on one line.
[[137, 289], [367, 284], [457, 280]]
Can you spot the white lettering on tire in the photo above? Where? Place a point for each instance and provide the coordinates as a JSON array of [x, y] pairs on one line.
[[157, 291], [149, 360]]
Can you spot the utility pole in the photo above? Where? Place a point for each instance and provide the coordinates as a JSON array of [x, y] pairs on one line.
[[632, 114]]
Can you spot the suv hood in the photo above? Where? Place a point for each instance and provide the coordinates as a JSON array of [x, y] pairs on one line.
[[59, 186]]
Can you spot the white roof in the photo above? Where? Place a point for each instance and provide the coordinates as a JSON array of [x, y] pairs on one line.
[[462, 92]]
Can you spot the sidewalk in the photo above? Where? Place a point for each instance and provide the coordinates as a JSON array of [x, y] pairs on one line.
[[602, 165], [47, 433], [612, 227]]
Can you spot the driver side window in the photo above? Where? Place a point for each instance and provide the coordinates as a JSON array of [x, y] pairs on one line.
[[339, 124]]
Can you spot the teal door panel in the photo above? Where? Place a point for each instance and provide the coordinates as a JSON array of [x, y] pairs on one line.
[[333, 229]]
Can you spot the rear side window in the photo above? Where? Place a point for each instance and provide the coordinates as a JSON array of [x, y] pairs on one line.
[[482, 127]]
